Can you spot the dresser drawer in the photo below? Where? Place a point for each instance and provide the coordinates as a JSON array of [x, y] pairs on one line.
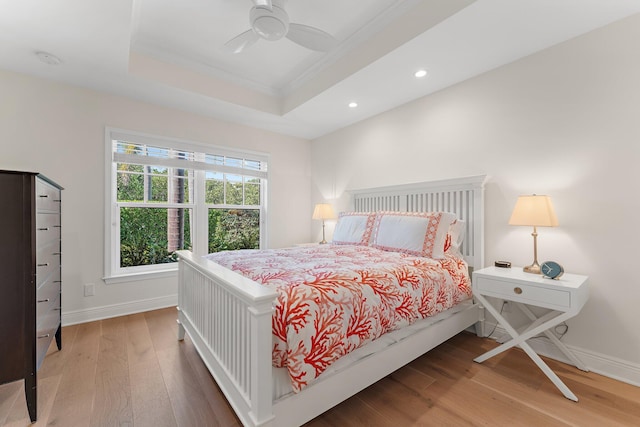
[[47, 263], [47, 197], [525, 293], [48, 295], [49, 319], [47, 325], [47, 228]]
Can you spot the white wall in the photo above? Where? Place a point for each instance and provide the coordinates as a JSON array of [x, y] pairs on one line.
[[564, 122], [58, 130]]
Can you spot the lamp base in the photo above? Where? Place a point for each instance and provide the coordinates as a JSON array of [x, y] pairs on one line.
[[323, 242], [533, 268]]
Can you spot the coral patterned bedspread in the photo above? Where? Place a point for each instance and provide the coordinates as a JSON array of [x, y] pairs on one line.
[[334, 299]]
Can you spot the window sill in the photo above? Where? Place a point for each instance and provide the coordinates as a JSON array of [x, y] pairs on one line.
[[147, 275]]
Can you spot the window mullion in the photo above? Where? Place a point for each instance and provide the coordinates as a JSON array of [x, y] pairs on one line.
[[115, 262], [224, 188], [263, 214], [145, 181], [170, 194], [200, 235]]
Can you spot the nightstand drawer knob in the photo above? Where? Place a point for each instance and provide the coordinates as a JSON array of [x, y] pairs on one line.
[[517, 290]]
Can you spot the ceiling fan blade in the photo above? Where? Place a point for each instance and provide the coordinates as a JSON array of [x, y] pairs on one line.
[[241, 42], [266, 3], [311, 37]]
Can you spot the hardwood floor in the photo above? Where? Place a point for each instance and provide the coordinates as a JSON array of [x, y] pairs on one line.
[[131, 371]]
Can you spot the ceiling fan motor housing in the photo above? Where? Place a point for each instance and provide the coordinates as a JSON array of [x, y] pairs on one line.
[[269, 24]]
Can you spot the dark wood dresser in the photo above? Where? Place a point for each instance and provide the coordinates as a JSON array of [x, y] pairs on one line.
[[30, 277]]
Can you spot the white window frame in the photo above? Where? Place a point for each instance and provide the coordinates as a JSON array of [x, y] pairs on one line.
[[113, 273]]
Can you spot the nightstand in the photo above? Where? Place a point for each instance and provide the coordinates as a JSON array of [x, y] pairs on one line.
[[565, 297], [304, 245]]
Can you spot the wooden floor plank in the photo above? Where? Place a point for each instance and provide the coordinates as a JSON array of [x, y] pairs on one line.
[[163, 328], [73, 404], [149, 395], [413, 408], [10, 393], [190, 406], [353, 412], [112, 402], [133, 371]]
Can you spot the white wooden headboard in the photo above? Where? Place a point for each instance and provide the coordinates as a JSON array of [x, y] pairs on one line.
[[462, 196]]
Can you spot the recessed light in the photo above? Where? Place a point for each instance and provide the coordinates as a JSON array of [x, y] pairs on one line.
[[420, 73], [48, 58], [353, 104]]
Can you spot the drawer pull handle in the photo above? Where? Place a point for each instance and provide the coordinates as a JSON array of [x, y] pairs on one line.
[[46, 264], [43, 229], [43, 300], [43, 196], [57, 281], [517, 290], [57, 200], [57, 253], [44, 336], [57, 226]]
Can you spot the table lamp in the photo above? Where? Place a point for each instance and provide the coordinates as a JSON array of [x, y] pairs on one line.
[[536, 211], [323, 211]]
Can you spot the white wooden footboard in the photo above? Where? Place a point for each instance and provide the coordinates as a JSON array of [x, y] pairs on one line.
[[228, 318]]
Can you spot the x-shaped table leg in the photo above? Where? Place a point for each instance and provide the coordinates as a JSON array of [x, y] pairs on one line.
[[576, 361], [519, 339]]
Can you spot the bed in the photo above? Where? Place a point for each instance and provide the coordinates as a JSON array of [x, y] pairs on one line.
[[229, 316]]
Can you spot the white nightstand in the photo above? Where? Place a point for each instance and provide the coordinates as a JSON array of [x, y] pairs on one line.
[[304, 245], [565, 297]]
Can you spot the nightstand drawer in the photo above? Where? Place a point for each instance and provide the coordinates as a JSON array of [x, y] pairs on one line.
[[525, 293]]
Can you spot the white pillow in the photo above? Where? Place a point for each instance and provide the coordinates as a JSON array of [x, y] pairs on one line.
[[353, 228], [415, 233]]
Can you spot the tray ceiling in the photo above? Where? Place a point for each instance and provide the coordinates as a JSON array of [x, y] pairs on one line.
[[170, 52]]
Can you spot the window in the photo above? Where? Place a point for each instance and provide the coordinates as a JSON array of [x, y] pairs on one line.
[[166, 195]]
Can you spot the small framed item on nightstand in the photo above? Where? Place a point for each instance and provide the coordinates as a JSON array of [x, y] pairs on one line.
[[551, 269]]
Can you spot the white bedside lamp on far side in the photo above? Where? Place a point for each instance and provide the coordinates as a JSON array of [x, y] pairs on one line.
[[536, 211], [323, 211]]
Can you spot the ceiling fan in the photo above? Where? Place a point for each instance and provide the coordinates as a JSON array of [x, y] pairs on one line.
[[270, 21]]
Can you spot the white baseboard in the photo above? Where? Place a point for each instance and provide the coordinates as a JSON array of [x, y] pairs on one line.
[[602, 364], [115, 310]]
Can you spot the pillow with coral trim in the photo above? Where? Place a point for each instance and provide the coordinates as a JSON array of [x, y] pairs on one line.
[[414, 233], [353, 228]]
